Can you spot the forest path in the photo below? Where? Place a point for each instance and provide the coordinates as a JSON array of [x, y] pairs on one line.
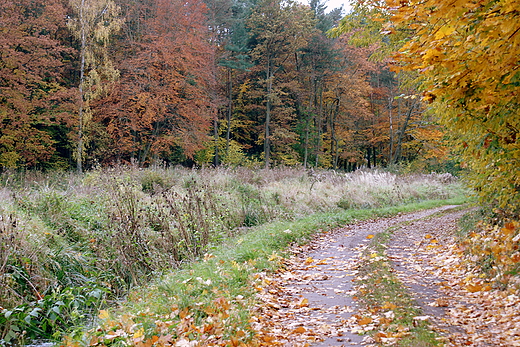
[[311, 302]]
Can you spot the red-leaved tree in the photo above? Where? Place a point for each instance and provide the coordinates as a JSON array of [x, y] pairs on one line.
[[162, 104]]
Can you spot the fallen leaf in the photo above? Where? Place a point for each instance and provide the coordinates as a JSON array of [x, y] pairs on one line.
[[365, 321], [304, 302], [473, 288], [299, 330], [389, 306]]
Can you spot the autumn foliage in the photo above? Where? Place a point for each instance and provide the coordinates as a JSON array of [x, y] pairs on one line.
[[34, 98], [194, 82], [467, 52]]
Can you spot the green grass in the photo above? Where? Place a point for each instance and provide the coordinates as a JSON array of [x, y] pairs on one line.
[[227, 274], [380, 290], [64, 236]]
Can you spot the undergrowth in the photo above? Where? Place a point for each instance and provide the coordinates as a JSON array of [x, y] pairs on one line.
[[71, 245]]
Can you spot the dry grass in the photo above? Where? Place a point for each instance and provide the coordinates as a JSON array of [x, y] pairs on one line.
[[109, 230]]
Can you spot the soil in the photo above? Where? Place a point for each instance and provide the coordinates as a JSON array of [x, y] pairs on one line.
[[312, 301]]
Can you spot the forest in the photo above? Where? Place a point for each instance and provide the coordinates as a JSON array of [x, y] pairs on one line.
[[88, 83], [262, 83], [182, 146]]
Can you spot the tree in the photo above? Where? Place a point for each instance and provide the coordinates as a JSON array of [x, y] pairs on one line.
[[400, 130], [94, 22], [234, 57], [320, 60], [346, 101], [467, 52], [161, 108], [34, 98], [279, 30]]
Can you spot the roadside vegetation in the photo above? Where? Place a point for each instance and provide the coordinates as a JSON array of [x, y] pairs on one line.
[[72, 245]]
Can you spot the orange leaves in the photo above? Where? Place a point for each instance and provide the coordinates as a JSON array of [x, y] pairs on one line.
[[299, 330], [477, 287], [164, 90], [365, 321], [497, 246], [213, 323]]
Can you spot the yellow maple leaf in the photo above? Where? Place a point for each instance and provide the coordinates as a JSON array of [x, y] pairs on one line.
[[139, 333]]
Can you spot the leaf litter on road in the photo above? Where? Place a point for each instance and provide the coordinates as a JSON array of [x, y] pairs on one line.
[[311, 301]]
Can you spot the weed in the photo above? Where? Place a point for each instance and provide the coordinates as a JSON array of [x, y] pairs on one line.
[[117, 228]]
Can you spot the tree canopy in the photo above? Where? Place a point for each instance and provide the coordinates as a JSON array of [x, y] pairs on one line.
[[232, 82], [468, 56]]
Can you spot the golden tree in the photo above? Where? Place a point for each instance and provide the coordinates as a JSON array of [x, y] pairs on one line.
[[93, 23], [467, 53]]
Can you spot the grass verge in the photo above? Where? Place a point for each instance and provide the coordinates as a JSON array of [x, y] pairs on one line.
[[208, 302], [388, 314]]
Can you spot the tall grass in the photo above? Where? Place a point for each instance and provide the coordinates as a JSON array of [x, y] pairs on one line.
[[70, 243]]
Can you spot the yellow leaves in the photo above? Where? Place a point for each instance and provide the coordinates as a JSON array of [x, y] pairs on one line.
[[138, 334], [322, 262], [370, 236], [103, 314], [432, 53], [389, 306], [497, 247], [304, 302], [508, 6], [467, 52], [444, 31]]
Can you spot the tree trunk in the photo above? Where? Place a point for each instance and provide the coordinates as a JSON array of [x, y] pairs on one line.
[[306, 147], [391, 153], [229, 111], [267, 141], [79, 150], [216, 159], [402, 131], [319, 124]]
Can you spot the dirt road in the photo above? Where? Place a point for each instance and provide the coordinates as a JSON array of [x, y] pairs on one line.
[[312, 301]]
